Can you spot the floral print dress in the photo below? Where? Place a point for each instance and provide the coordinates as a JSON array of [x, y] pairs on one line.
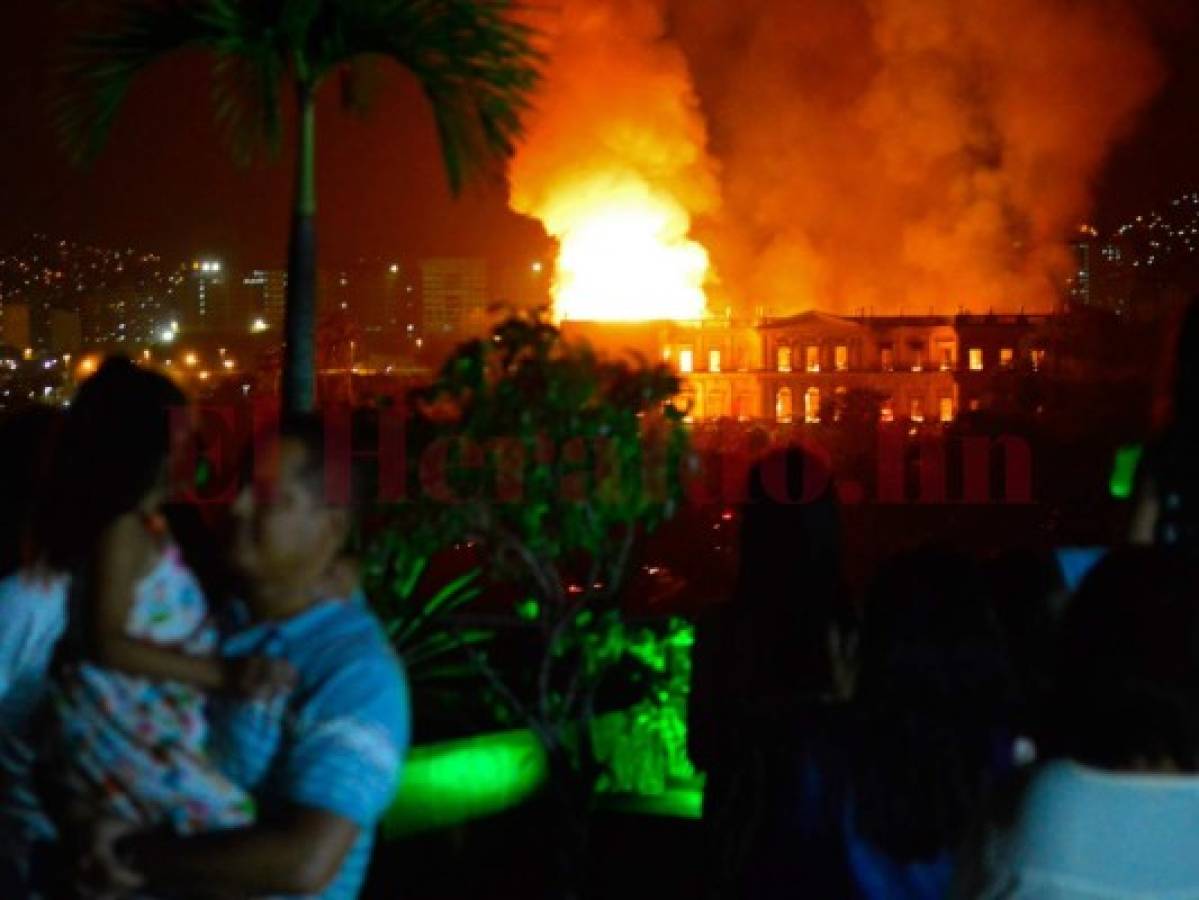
[[135, 749]]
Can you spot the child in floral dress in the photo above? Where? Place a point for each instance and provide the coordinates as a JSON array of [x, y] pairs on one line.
[[128, 703]]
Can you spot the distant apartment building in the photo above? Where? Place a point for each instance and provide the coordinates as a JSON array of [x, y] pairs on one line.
[[454, 296], [264, 293], [207, 301], [15, 326]]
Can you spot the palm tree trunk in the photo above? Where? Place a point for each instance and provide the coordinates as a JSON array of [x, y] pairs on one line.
[[299, 354]]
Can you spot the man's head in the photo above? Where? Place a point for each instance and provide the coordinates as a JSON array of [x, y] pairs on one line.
[[287, 531]]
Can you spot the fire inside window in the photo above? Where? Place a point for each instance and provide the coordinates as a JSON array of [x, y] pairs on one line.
[[686, 360], [887, 359], [811, 406], [918, 361], [812, 358], [783, 406], [784, 359], [946, 409], [916, 410], [1006, 357], [946, 357], [841, 358], [976, 359], [713, 360], [1037, 359], [886, 411]]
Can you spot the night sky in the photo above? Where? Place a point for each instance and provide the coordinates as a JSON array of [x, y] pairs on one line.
[[166, 182]]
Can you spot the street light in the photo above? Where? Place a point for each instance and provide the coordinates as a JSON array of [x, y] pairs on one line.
[[191, 360]]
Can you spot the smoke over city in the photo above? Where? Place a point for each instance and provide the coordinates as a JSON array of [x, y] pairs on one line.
[[883, 155]]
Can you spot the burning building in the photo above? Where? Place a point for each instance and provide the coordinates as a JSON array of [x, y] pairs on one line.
[[924, 369]]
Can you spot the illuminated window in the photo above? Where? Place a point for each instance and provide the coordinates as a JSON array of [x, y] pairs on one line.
[[1006, 357], [946, 354], [713, 360], [686, 360], [887, 359], [784, 406], [976, 359], [841, 358], [811, 405], [886, 410], [784, 359], [812, 358], [742, 405], [918, 361], [665, 350], [1037, 359], [916, 410], [946, 409]]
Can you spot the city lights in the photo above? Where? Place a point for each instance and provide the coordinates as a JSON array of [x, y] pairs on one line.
[[191, 360], [259, 325]]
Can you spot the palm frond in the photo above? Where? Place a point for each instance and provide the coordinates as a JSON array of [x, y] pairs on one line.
[[476, 61], [247, 102], [97, 68]]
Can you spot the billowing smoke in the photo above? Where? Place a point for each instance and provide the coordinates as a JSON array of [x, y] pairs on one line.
[[615, 165], [908, 154]]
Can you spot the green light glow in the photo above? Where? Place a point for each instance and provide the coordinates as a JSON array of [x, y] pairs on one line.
[[681, 801], [451, 783], [1124, 471]]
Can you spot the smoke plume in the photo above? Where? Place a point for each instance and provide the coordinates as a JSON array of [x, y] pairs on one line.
[[908, 154]]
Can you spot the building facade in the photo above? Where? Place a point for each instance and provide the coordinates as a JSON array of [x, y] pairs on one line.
[[454, 296], [923, 369]]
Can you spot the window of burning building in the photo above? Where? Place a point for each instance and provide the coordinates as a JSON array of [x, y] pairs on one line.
[[742, 406], [886, 410], [976, 359], [886, 358], [811, 405], [713, 360], [686, 360], [784, 406], [784, 359], [1006, 357], [812, 358], [841, 358], [840, 402], [917, 357], [1036, 358], [946, 409], [717, 405], [916, 409], [945, 352]]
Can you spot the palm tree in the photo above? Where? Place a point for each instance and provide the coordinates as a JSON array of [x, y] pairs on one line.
[[475, 60]]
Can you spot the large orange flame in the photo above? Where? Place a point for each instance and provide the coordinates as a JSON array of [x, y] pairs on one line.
[[625, 255], [615, 166]]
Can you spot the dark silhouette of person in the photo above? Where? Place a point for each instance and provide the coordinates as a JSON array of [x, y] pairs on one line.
[[763, 663], [1112, 812], [1167, 493]]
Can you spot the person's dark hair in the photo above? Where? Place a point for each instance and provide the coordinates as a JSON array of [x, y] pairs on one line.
[[26, 441], [788, 593], [1128, 663], [933, 697], [113, 450]]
